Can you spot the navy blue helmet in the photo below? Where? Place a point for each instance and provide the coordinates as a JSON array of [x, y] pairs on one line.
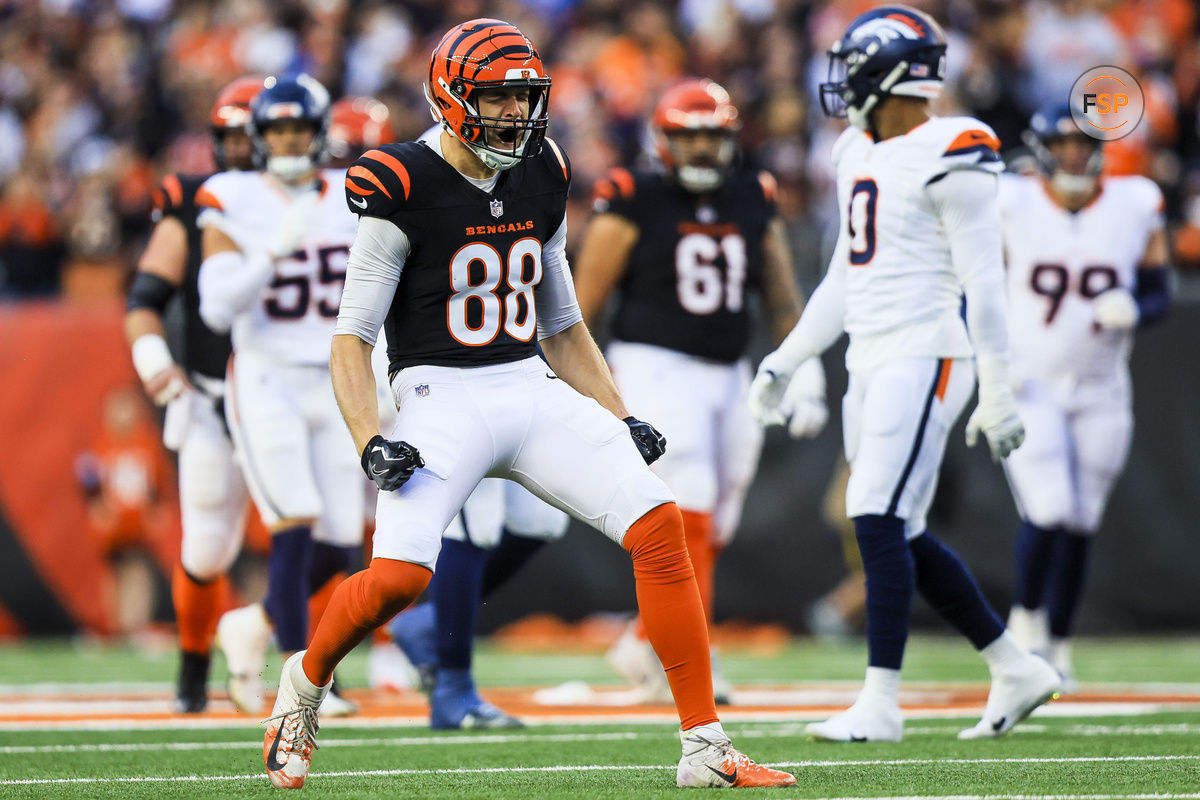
[[893, 50], [1051, 123], [287, 98]]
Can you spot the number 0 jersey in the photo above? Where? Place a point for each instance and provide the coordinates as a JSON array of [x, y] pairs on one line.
[[696, 260], [1059, 261], [293, 317], [466, 292], [903, 297], [204, 351]]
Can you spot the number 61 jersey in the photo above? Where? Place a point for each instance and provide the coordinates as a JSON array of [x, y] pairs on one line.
[[1059, 261]]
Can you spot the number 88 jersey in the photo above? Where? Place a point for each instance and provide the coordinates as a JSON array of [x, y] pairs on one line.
[[696, 262], [1059, 261]]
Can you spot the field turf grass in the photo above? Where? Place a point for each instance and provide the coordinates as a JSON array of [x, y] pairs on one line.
[[1127, 748]]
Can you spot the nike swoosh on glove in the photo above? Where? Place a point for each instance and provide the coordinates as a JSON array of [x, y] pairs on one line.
[[650, 443], [390, 464], [997, 419], [803, 402]]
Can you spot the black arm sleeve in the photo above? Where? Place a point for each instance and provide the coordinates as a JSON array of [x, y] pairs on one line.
[[149, 291]]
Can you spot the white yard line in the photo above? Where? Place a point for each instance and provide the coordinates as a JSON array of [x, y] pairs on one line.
[[658, 767]]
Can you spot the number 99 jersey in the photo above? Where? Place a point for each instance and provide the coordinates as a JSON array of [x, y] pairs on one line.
[[1059, 261], [696, 260]]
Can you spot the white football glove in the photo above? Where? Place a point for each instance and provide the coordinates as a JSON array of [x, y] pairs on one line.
[[1115, 309], [804, 401], [997, 419], [767, 390], [161, 376], [296, 223]]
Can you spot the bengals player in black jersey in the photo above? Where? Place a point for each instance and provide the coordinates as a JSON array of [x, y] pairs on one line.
[[460, 257], [682, 250], [212, 493]]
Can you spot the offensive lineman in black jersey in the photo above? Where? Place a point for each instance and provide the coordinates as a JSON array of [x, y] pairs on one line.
[[460, 256], [212, 494], [683, 248]]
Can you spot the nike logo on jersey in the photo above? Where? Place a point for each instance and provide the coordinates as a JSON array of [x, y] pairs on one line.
[[359, 201], [272, 763], [731, 777]]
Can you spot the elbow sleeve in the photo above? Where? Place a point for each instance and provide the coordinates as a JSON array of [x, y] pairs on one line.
[[1152, 294]]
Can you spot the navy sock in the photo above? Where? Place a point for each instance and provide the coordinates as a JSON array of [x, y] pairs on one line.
[[1032, 550], [327, 560], [1066, 582], [506, 560], [888, 565], [455, 594], [287, 586], [948, 586]]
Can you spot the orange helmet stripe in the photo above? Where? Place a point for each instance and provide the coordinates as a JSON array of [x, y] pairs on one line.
[[392, 163]]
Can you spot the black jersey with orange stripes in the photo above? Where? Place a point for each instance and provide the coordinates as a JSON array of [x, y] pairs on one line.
[[204, 352], [466, 292], [696, 262]]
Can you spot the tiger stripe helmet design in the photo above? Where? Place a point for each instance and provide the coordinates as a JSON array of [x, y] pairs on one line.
[[484, 54], [696, 104]]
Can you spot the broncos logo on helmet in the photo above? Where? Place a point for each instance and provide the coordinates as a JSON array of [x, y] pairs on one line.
[[487, 54], [894, 50]]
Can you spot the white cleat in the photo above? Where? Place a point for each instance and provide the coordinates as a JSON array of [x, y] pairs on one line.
[[1014, 694], [635, 661], [389, 670], [713, 763], [861, 722], [291, 732], [243, 635]]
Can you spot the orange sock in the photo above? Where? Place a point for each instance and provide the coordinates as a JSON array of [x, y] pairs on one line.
[[319, 601], [381, 635], [698, 532], [361, 603], [197, 608], [672, 612]]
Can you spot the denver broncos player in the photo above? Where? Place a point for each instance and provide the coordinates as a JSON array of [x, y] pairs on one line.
[[920, 230], [275, 247], [1087, 265], [212, 493], [460, 257], [685, 248]]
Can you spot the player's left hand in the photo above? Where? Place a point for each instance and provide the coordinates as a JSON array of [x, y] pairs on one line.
[[1116, 310], [997, 419], [804, 401], [766, 398], [649, 442]]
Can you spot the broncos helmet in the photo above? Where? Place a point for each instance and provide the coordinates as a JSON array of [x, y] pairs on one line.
[[1050, 124], [894, 50], [486, 54], [286, 98], [696, 104], [231, 111]]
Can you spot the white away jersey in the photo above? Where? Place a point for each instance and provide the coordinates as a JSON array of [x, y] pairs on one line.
[[1058, 261], [902, 295], [293, 317]]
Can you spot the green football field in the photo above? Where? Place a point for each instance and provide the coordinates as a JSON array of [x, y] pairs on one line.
[[85, 722]]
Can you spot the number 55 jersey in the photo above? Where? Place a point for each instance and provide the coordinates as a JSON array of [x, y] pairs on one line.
[[1059, 261]]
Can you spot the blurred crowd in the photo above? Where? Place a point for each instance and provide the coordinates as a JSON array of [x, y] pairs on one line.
[[100, 98]]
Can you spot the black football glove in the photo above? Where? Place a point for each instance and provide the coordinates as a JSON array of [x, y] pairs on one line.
[[650, 443], [390, 463]]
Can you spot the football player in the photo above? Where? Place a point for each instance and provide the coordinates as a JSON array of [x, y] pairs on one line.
[[685, 248], [212, 492], [919, 231], [460, 256], [357, 124], [275, 245], [1074, 304]]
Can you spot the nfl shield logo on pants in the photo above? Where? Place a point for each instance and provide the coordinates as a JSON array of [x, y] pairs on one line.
[[497, 209], [423, 390]]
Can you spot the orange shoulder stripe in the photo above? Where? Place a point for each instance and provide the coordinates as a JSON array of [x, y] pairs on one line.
[[973, 138], [624, 181], [174, 189], [362, 172], [562, 162], [207, 199], [392, 163], [769, 186]]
